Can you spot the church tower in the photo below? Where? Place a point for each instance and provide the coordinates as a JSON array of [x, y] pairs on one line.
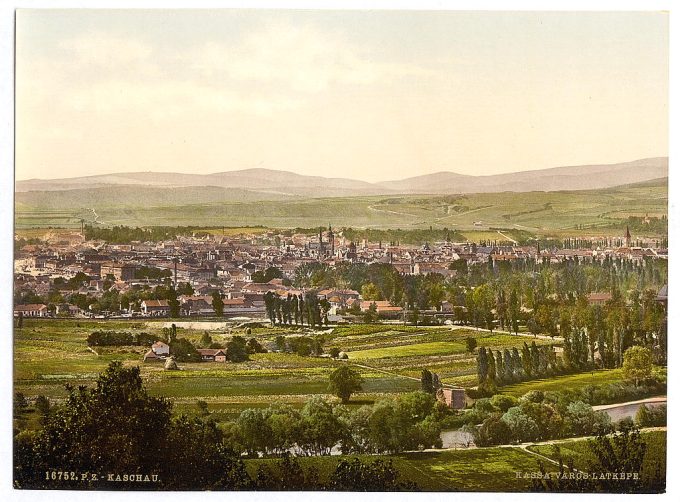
[[628, 238]]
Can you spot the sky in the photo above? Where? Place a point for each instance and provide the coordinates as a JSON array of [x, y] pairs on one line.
[[369, 95]]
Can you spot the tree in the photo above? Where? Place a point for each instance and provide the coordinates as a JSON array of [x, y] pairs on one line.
[[42, 406], [482, 365], [637, 364], [523, 427], [471, 344], [344, 381], [20, 403], [426, 382], [237, 350], [262, 276], [255, 347], [369, 291], [376, 476], [493, 431], [371, 314], [217, 303], [114, 427], [320, 426], [206, 340], [623, 452], [202, 407], [184, 350]]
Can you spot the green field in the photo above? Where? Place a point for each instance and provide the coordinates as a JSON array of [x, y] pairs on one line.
[[480, 469], [566, 382], [50, 354], [597, 212], [577, 451]]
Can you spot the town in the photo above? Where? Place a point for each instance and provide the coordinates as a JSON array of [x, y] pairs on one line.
[[69, 276]]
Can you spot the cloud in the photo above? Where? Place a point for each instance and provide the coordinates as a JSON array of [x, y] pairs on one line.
[[94, 50], [272, 69], [298, 58]]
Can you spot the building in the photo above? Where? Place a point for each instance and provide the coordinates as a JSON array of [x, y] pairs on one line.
[[31, 310], [152, 356], [454, 398], [599, 298], [160, 349], [120, 271], [155, 307], [216, 355]]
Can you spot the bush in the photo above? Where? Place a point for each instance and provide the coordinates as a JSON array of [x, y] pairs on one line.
[[493, 431], [522, 427], [625, 424], [533, 396], [651, 417], [503, 402], [334, 352]]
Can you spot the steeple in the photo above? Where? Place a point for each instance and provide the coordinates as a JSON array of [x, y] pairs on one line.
[[628, 238]]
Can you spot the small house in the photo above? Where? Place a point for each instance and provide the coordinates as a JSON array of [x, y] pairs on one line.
[[160, 348], [155, 307], [31, 310], [454, 398], [151, 356], [216, 355]]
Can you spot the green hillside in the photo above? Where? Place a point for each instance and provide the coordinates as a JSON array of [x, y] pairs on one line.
[[544, 213]]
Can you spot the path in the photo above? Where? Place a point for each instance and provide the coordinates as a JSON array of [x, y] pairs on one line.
[[655, 399], [529, 335], [507, 237], [373, 208], [620, 411]]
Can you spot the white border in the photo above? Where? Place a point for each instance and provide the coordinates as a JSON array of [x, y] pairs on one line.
[[7, 209]]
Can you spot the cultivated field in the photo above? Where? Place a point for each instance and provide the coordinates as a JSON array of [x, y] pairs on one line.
[[597, 212], [49, 354]]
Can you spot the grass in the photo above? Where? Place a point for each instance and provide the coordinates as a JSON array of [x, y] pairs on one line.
[[475, 470], [418, 349], [566, 382], [578, 451], [537, 213]]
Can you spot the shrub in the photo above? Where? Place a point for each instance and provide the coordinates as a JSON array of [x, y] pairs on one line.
[[522, 427], [493, 431], [533, 396], [503, 402]]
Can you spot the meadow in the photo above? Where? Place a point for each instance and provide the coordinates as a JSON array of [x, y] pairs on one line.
[[578, 452], [49, 354], [479, 216], [475, 470]]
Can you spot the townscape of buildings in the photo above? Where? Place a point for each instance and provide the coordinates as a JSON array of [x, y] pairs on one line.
[[212, 263]]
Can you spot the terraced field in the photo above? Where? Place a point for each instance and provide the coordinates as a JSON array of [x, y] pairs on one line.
[[50, 354], [596, 212]]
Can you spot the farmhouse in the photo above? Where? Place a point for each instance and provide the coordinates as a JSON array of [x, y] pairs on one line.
[[383, 308], [454, 398], [217, 355], [160, 348], [152, 356], [31, 310], [599, 298], [155, 307]]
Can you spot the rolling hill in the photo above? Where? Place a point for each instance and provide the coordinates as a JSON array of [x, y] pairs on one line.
[[251, 184]]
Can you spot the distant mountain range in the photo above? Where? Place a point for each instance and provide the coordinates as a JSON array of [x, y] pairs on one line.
[[265, 184]]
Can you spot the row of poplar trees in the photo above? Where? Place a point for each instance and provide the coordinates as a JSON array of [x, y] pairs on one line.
[[296, 309]]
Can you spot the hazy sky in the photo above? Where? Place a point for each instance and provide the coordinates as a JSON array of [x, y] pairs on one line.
[[366, 95]]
